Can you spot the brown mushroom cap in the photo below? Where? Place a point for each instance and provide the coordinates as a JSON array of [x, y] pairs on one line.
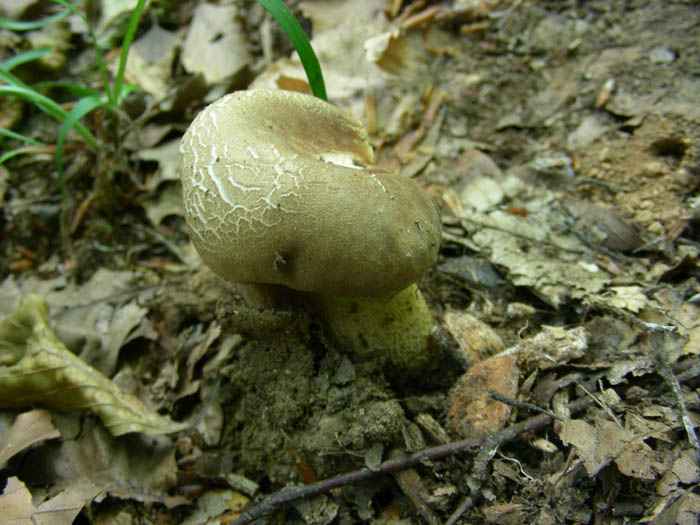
[[278, 189]]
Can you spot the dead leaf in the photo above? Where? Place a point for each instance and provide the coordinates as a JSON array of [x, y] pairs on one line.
[[476, 340], [168, 202], [684, 471], [215, 45], [617, 234], [38, 368], [683, 314], [151, 60], [130, 467], [215, 503], [29, 428], [16, 505], [167, 156], [551, 346], [524, 247], [64, 507], [471, 409], [86, 318], [599, 444]]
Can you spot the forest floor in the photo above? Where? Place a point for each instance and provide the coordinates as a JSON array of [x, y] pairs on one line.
[[562, 142]]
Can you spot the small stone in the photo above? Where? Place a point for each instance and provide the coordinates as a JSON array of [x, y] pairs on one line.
[[661, 55]]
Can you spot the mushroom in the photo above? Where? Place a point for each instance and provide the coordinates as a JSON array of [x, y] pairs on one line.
[[280, 194]]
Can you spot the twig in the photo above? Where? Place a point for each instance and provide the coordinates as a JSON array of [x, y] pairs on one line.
[[595, 182], [657, 340], [675, 388], [286, 496], [466, 504], [602, 405], [522, 405], [412, 486]]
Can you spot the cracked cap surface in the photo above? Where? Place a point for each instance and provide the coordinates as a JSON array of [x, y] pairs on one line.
[[278, 189]]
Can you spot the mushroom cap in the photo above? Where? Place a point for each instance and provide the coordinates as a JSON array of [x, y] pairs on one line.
[[278, 189]]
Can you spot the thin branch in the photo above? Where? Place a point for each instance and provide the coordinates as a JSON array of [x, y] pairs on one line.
[[490, 443], [675, 388], [466, 504], [522, 405], [284, 497]]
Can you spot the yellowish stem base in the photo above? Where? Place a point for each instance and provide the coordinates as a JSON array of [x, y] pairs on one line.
[[395, 327]]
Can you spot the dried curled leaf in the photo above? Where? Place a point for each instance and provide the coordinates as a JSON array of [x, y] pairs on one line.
[[29, 428], [37, 368], [16, 504]]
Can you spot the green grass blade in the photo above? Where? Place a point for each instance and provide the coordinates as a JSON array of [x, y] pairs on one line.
[[82, 108], [16, 25], [12, 80], [15, 152], [18, 136], [45, 104], [7, 155], [77, 90], [21, 58], [126, 45], [296, 35], [93, 41]]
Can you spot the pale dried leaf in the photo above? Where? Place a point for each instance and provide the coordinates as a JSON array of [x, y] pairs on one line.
[[215, 503], [476, 340], [151, 59], [167, 156], [684, 471], [684, 315], [29, 428], [86, 320], [346, 70], [326, 16], [630, 298], [553, 345], [65, 506], [537, 252], [16, 504], [553, 279], [168, 202], [582, 436], [688, 510], [215, 45]]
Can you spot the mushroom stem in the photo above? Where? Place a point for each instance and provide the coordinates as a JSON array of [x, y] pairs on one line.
[[395, 327]]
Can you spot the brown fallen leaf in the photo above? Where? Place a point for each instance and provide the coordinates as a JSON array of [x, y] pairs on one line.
[[471, 409], [599, 444]]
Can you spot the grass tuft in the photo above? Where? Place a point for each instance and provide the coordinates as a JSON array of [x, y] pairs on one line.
[[89, 99], [296, 35]]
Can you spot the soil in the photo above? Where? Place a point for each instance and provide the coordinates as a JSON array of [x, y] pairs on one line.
[[526, 96]]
